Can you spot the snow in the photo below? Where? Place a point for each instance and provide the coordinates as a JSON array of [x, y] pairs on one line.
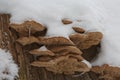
[[93, 15], [8, 69], [43, 48], [110, 52], [51, 12], [88, 64]]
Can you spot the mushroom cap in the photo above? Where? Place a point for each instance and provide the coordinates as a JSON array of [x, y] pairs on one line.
[[85, 41], [27, 40], [23, 29], [55, 41], [40, 52], [68, 66], [107, 72], [42, 64], [66, 21], [106, 68], [63, 49], [78, 38], [45, 41], [78, 29]]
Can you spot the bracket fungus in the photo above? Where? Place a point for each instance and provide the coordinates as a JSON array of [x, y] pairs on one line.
[[78, 29], [40, 52], [45, 41], [27, 28], [85, 41], [59, 54], [68, 66], [69, 49], [66, 21], [55, 41], [107, 72], [60, 59], [63, 64], [27, 40]]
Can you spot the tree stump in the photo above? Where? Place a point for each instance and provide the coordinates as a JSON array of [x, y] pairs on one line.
[[23, 58]]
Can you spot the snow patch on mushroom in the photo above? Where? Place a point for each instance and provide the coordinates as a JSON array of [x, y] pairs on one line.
[[87, 63], [43, 48]]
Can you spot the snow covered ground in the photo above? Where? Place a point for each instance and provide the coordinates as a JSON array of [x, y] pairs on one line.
[[96, 15], [110, 45], [8, 69]]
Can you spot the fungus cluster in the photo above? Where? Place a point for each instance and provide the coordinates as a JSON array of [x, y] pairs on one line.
[[57, 54], [107, 72]]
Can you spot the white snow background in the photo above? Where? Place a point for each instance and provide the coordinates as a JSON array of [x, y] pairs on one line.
[[94, 15]]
